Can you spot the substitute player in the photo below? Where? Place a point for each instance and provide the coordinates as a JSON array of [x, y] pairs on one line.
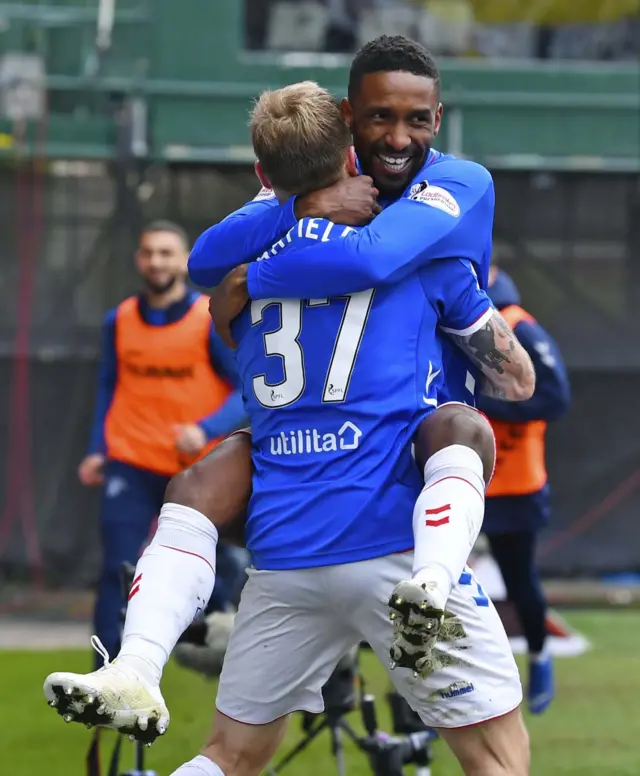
[[518, 503], [333, 492], [168, 391]]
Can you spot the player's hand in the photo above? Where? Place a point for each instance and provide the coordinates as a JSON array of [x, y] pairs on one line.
[[352, 201], [228, 301], [91, 470], [190, 439]]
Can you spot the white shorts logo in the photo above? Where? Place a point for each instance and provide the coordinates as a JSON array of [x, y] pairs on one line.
[[309, 441], [455, 690], [436, 197]]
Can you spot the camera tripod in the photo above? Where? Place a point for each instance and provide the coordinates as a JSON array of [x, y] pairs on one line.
[[336, 724], [387, 754], [93, 754], [93, 758]]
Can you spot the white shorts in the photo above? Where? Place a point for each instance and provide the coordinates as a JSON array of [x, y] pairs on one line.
[[293, 627]]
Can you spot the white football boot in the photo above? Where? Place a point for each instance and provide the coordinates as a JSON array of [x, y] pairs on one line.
[[114, 697], [417, 612]]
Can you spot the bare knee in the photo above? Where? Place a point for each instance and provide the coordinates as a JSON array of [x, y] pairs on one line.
[[218, 485], [457, 424], [243, 750], [499, 747]]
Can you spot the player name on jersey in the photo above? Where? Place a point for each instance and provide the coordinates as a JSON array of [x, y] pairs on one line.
[[309, 229]]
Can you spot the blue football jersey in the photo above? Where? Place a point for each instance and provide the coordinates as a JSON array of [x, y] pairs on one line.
[[335, 389], [461, 376], [446, 212]]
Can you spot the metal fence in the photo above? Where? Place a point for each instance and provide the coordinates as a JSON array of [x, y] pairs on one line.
[[67, 235]]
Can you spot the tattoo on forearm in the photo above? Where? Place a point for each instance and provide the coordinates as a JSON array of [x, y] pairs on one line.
[[482, 345], [495, 349]]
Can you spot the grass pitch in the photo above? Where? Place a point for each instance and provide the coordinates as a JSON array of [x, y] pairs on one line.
[[592, 729]]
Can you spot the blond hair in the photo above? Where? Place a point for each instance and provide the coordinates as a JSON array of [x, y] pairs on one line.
[[300, 137]]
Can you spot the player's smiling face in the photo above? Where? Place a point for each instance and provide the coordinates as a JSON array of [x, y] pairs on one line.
[[394, 118]]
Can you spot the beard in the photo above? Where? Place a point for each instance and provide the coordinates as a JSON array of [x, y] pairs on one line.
[[156, 287]]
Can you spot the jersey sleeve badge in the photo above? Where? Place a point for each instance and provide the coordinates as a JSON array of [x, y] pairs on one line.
[[435, 197]]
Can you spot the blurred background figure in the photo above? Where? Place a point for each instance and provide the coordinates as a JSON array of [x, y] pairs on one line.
[[518, 503], [167, 394]]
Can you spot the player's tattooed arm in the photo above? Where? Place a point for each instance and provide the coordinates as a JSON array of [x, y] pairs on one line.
[[505, 364]]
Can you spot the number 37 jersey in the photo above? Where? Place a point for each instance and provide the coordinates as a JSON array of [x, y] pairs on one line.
[[335, 390]]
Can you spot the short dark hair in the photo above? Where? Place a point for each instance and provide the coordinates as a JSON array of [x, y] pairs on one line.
[[392, 54], [164, 225]]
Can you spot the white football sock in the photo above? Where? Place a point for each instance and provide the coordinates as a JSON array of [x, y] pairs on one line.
[[199, 766], [173, 582], [448, 516]]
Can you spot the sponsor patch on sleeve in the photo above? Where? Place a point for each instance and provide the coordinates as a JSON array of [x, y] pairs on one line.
[[264, 193], [436, 197]]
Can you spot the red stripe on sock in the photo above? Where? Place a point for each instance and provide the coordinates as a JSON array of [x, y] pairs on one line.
[[134, 590], [186, 552], [453, 477], [436, 523], [438, 510], [136, 580]]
